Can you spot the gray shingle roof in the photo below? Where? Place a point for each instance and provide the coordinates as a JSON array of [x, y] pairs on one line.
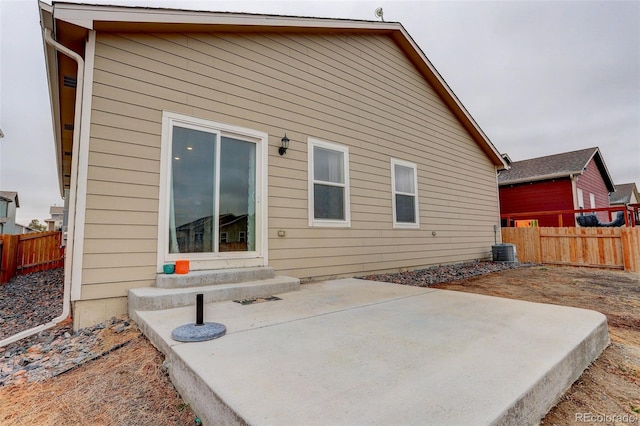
[[554, 166], [11, 195], [622, 194]]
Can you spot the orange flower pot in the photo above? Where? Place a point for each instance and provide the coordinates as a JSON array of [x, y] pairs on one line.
[[182, 266]]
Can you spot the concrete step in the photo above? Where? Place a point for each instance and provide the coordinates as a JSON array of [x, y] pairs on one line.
[[214, 277], [154, 298]]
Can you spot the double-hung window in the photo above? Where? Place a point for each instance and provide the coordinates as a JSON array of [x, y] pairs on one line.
[[404, 186], [328, 184]]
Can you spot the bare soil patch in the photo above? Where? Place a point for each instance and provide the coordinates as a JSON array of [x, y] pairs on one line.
[[608, 392]]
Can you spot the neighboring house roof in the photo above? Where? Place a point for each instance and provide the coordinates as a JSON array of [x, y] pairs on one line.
[[623, 193], [25, 228], [11, 196], [70, 22], [229, 219], [56, 210], [555, 166]]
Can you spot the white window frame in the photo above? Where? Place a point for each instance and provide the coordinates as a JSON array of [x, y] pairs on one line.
[[346, 222], [218, 260], [592, 200], [580, 199], [396, 224]]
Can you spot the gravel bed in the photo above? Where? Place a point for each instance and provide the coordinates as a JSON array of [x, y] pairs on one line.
[[444, 273], [30, 300]]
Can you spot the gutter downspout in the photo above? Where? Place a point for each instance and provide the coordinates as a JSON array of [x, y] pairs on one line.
[[66, 299]]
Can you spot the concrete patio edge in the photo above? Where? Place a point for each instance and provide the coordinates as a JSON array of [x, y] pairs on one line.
[[538, 400], [221, 378]]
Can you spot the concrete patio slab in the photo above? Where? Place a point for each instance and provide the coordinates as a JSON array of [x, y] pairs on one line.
[[356, 352]]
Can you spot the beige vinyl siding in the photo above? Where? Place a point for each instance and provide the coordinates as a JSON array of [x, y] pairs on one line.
[[354, 90]]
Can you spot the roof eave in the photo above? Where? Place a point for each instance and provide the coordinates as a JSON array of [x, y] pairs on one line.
[[444, 91], [541, 178], [608, 181], [102, 17], [50, 60]]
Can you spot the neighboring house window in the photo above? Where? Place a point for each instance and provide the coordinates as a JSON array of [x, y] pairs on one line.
[[592, 200], [223, 237], [404, 190], [328, 184], [242, 236], [3, 208], [580, 199]]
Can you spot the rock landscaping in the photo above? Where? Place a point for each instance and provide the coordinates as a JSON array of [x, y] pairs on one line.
[[444, 273], [30, 300]]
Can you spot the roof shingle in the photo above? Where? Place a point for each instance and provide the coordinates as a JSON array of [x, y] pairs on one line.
[[554, 166], [623, 193]]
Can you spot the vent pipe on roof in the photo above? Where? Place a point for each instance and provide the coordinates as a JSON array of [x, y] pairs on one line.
[[66, 300]]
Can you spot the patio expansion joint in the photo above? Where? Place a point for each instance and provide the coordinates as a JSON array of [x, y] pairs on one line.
[[351, 308]]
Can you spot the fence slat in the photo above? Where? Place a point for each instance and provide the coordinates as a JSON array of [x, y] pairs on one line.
[[595, 247], [27, 253], [631, 248]]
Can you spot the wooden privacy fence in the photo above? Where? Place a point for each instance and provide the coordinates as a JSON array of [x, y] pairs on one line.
[[26, 253], [617, 248]]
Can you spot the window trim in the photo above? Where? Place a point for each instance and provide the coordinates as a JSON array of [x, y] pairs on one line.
[[414, 167], [580, 198], [201, 261], [313, 222]]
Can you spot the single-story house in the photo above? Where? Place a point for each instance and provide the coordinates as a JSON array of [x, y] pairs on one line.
[[567, 181], [169, 119], [23, 229]]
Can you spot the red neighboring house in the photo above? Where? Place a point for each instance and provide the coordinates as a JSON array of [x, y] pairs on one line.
[[567, 181]]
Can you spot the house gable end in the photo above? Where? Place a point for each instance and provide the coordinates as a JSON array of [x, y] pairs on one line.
[[110, 19], [566, 164]]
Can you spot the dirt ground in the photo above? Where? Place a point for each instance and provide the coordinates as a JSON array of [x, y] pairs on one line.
[[608, 392], [129, 386]]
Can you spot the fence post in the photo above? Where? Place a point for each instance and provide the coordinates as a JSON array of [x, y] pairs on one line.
[[630, 238], [9, 257], [538, 242]]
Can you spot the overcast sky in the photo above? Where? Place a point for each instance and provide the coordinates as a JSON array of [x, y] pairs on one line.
[[539, 78]]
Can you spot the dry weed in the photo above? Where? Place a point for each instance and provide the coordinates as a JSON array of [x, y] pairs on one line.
[[127, 387]]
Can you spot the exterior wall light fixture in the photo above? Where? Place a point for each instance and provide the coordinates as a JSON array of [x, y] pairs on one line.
[[285, 145]]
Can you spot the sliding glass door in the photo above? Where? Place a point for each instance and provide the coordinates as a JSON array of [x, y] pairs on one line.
[[212, 194]]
